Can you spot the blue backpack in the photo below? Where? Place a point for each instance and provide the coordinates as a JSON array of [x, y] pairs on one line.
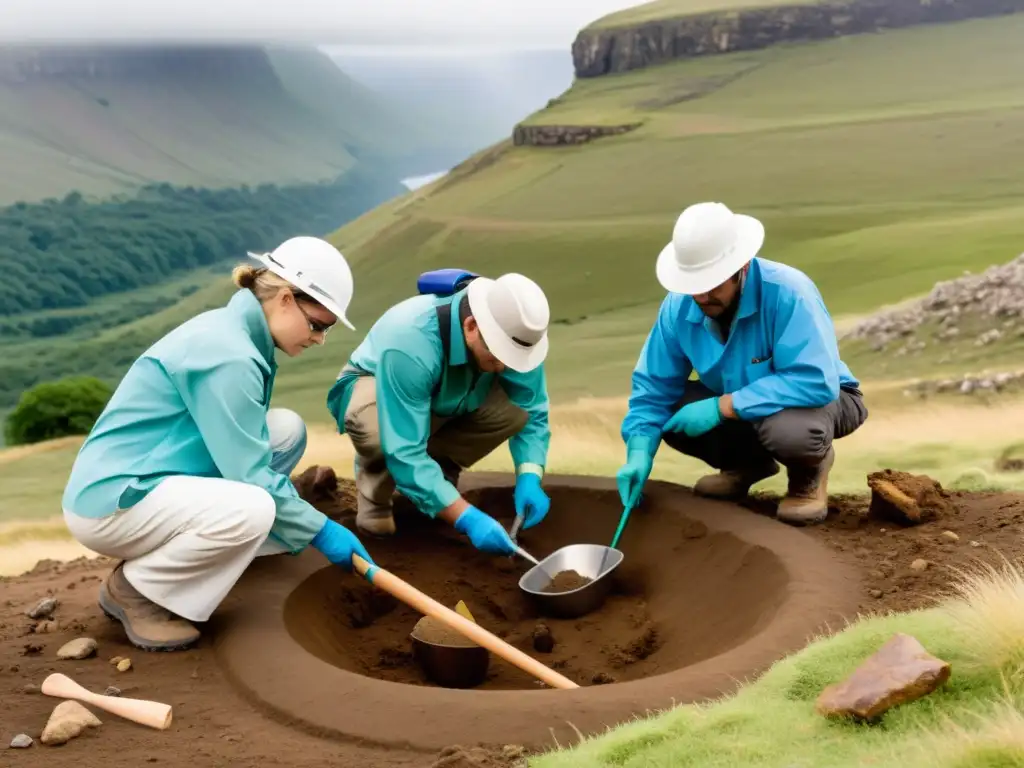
[[444, 282]]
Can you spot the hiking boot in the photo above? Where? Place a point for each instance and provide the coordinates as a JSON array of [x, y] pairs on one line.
[[735, 483], [148, 625], [806, 500]]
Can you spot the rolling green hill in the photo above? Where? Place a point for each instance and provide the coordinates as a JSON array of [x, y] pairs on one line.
[[880, 164], [107, 120]]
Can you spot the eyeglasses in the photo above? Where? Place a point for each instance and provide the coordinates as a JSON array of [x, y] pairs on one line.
[[315, 326]]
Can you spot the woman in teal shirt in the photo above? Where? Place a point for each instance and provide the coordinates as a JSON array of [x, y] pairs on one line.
[[185, 476]]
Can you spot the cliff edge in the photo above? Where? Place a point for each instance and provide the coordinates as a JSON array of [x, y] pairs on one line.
[[603, 49]]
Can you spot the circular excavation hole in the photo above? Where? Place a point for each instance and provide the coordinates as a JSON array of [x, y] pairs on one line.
[[683, 594]]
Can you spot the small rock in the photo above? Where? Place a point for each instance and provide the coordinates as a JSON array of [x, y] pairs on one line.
[[80, 648], [43, 609], [112, 691], [875, 593], [901, 671], [919, 565], [115, 660], [21, 741], [45, 627], [68, 720], [876, 574], [30, 688], [951, 536], [975, 543], [124, 665], [543, 641], [602, 678]]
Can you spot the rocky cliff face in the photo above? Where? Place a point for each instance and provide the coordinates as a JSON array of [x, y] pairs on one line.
[[557, 135], [24, 63], [603, 51]]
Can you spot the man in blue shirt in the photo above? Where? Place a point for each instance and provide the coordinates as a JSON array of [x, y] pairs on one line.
[[440, 381], [771, 387]]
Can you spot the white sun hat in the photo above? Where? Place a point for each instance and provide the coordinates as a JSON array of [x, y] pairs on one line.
[[709, 244], [513, 315], [316, 267]]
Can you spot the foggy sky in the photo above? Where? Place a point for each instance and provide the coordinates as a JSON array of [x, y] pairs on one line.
[[502, 23]]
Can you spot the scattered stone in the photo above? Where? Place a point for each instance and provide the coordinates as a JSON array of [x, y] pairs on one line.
[[80, 648], [906, 498], [875, 593], [21, 741], [951, 536], [115, 660], [45, 627], [112, 691], [32, 649], [900, 672], [919, 565], [68, 720], [43, 609], [975, 543], [602, 678], [543, 640], [30, 688], [124, 665]]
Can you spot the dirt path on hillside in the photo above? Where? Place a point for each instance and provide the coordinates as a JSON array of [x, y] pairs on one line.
[[215, 724]]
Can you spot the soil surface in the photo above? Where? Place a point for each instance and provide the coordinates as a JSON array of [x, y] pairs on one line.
[[214, 725], [566, 581]]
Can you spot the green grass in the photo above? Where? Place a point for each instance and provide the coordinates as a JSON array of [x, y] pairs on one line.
[[670, 9], [973, 720]]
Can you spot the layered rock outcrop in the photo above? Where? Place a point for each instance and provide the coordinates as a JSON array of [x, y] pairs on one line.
[[600, 51], [555, 135]]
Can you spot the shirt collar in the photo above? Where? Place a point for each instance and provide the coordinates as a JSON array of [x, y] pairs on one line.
[[750, 299], [247, 306]]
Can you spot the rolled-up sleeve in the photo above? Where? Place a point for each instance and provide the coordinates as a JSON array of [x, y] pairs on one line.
[[225, 401], [404, 388], [659, 380], [528, 391]]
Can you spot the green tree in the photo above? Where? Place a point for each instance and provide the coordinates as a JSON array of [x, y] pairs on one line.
[[52, 409]]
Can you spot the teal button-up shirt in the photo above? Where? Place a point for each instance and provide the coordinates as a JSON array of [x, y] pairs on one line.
[[781, 352], [195, 403], [403, 351]]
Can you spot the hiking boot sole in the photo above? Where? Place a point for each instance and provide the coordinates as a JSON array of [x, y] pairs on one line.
[[116, 613]]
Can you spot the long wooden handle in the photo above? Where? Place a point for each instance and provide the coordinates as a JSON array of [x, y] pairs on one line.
[[430, 607]]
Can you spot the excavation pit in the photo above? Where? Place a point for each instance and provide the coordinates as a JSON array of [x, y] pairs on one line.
[[708, 594]]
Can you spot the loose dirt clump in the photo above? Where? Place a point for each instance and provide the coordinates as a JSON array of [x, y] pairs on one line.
[[907, 499], [510, 756], [430, 630], [566, 581]]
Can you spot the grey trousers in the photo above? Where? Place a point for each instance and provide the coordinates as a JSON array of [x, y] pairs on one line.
[[795, 437]]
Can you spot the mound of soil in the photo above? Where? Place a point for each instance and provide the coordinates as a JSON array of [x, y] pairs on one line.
[[907, 499], [222, 727], [566, 581]]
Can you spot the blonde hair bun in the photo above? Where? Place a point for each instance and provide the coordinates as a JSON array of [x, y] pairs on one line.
[[244, 275]]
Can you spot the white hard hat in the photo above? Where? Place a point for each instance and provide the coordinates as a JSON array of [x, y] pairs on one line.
[[512, 313], [709, 245], [316, 267]]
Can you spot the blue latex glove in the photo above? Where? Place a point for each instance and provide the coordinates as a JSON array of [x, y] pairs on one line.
[[531, 501], [633, 474], [338, 544], [696, 418], [485, 532]]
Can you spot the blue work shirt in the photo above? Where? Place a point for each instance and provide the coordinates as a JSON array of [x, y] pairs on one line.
[[195, 403], [404, 353], [781, 353]]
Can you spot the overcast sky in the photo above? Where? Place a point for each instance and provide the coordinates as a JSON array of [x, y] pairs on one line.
[[503, 23]]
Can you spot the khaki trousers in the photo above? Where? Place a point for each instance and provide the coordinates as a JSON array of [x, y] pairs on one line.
[[455, 443]]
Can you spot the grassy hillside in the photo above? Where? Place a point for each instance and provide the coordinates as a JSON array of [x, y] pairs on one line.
[[105, 121], [880, 164], [670, 9]]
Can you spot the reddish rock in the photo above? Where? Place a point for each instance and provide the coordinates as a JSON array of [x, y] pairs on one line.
[[901, 671]]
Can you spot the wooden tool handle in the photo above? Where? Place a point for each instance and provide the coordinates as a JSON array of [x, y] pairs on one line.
[[430, 607]]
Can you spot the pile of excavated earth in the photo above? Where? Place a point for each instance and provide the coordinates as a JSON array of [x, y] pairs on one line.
[[306, 665]]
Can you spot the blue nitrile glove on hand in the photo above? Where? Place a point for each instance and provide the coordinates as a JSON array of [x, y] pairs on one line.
[[632, 476], [696, 418], [485, 532], [531, 501], [338, 544]]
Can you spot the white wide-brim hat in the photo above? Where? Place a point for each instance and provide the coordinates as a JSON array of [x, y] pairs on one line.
[[512, 314], [709, 245]]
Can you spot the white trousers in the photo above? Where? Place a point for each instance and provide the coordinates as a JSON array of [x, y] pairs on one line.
[[188, 542]]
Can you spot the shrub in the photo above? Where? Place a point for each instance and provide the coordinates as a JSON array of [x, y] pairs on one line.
[[54, 409]]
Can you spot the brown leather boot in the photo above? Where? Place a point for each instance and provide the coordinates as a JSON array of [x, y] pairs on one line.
[[734, 484], [806, 501], [148, 625]]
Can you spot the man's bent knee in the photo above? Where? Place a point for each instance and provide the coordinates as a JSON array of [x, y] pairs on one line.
[[795, 435], [287, 438], [249, 514]]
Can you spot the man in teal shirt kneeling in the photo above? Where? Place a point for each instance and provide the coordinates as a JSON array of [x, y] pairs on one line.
[[440, 381]]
